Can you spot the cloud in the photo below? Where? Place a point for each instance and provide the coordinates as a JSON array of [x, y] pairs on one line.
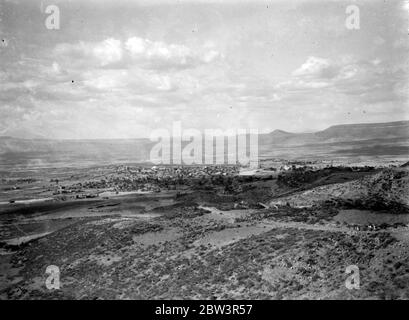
[[405, 5], [312, 67], [135, 50], [318, 73], [102, 79], [315, 68], [100, 53], [56, 67], [109, 51], [170, 65], [158, 54], [145, 48], [348, 81]]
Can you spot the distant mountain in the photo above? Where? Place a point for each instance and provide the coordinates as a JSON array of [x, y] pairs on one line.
[[10, 144], [366, 131], [46, 152], [369, 139], [339, 133]]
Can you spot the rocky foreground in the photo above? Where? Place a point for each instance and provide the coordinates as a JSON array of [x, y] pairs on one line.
[[209, 244]]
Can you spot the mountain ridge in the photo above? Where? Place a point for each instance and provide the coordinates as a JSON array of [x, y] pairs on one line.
[[376, 138], [277, 132]]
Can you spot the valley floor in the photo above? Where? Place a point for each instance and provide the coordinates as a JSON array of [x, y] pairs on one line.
[[171, 246]]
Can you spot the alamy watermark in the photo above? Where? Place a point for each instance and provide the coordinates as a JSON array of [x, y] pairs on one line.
[[353, 19], [53, 280], [52, 21], [353, 281], [212, 146]]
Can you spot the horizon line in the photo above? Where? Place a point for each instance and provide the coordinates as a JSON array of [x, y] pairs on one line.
[[147, 138]]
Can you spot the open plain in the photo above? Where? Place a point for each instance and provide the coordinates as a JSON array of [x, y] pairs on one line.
[[206, 232]]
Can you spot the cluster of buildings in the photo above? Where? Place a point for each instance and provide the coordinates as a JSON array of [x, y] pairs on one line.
[[131, 178]]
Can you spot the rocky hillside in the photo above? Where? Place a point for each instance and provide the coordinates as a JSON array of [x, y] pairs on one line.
[[387, 190]]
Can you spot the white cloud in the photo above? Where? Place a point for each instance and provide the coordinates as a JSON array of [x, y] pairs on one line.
[[405, 5], [145, 48], [143, 52], [317, 73], [347, 72], [169, 64], [211, 55], [163, 83], [109, 51], [105, 79], [172, 54], [301, 85], [313, 66], [56, 67], [135, 45], [98, 53]]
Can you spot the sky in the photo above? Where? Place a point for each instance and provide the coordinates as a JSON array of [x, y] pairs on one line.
[[122, 69]]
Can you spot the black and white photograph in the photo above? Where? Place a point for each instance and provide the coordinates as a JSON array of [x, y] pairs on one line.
[[204, 150]]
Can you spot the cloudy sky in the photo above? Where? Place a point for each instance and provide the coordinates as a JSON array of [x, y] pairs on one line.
[[120, 69]]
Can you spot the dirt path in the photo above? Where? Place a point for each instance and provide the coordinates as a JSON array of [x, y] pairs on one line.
[[230, 216], [244, 230], [307, 226]]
